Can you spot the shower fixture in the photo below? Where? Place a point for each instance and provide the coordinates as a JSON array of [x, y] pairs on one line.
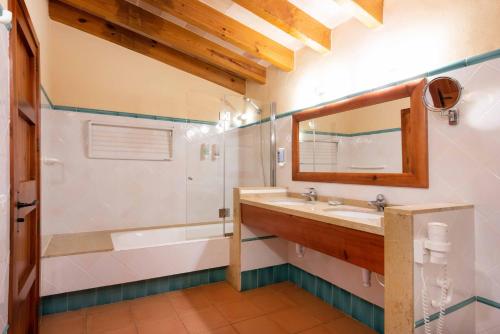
[[249, 101]]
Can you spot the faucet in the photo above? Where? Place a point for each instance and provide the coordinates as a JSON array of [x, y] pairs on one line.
[[380, 203], [311, 195]]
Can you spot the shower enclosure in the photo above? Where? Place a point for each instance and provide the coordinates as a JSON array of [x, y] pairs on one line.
[[231, 149]]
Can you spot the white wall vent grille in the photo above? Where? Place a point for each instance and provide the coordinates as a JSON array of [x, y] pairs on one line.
[[125, 142], [318, 155]]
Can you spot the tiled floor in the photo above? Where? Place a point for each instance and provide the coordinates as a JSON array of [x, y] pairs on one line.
[[215, 308]]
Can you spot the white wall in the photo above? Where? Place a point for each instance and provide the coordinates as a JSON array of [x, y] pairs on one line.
[[464, 167], [4, 175]]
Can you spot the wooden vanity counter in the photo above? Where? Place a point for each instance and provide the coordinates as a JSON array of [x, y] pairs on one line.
[[353, 240]]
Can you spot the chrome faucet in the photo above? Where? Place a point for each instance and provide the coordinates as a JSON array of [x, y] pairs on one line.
[[380, 203], [311, 195]]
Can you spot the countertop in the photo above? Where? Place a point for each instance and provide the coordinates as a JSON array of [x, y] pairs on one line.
[[315, 211]]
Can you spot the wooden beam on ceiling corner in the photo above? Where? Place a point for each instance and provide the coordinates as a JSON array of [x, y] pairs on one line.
[[100, 28], [291, 20], [369, 12], [216, 23], [132, 17]]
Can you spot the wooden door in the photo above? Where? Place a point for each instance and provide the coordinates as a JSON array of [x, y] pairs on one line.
[[25, 174]]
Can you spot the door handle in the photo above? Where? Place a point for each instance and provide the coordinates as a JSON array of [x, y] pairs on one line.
[[21, 205]]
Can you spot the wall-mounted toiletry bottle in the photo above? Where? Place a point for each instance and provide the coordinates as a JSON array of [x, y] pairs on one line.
[[204, 151], [215, 152]]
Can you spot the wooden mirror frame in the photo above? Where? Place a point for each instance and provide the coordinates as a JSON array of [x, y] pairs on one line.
[[414, 142]]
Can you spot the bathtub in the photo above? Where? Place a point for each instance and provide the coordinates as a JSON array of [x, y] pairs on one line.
[[166, 236], [138, 255]]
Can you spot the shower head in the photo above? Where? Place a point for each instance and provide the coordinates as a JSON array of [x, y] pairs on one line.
[[253, 104]]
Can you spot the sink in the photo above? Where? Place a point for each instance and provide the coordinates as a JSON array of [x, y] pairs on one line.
[[287, 202], [354, 214]]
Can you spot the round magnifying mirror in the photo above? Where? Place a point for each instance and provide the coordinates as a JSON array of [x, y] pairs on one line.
[[442, 94]]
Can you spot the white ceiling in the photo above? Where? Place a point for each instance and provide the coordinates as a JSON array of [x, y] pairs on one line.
[[327, 12]]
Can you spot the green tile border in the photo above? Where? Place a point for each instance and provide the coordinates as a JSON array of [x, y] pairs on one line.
[[488, 302], [449, 310], [5, 329], [76, 300], [259, 238], [354, 134], [352, 305]]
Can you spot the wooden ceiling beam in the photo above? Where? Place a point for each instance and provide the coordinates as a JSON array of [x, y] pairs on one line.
[[131, 17], [214, 22], [108, 31], [369, 12], [291, 20]]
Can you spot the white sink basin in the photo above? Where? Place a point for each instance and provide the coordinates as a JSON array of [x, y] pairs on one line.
[[354, 214], [287, 202]]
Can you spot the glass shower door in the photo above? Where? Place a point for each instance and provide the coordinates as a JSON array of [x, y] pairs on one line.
[[227, 145], [204, 138]]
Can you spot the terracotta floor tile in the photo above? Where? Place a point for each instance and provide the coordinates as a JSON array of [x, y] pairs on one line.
[[103, 322], [207, 319], [109, 308], [149, 309], [172, 325], [125, 330], [322, 310], [260, 325], [188, 300], [270, 302], [347, 325], [221, 292], [318, 330], [294, 320], [298, 296], [68, 322], [238, 311], [222, 330]]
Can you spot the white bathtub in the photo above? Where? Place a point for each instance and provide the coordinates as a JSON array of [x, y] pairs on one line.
[[166, 236], [138, 255]]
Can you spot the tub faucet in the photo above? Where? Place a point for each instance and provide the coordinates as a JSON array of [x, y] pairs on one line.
[[311, 195], [380, 203]]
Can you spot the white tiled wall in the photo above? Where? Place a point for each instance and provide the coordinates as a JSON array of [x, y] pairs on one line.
[[460, 266], [464, 167], [487, 319], [4, 175]]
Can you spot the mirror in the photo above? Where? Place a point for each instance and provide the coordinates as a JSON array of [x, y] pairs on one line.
[[359, 140], [442, 94], [377, 138]]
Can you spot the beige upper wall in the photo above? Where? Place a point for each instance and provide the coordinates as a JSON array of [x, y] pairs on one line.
[[81, 70], [3, 3], [417, 36]]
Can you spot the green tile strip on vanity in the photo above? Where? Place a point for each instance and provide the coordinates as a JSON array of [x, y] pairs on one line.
[[352, 305], [5, 329], [115, 293]]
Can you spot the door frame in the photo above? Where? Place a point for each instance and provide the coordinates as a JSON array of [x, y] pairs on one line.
[[14, 6]]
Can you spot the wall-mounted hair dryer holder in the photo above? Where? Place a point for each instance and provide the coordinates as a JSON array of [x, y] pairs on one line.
[[6, 18]]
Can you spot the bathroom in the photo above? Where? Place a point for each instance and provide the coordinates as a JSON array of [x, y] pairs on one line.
[[237, 166]]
